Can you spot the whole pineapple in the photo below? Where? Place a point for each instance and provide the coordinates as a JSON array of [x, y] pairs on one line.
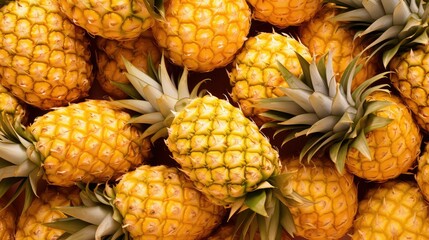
[[284, 13], [109, 53], [202, 35], [90, 141], [333, 198], [44, 57], [31, 223], [154, 202], [118, 20], [392, 210], [255, 72], [370, 131], [322, 34]]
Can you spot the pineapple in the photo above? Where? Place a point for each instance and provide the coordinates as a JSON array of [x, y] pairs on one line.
[[422, 173], [322, 34], [398, 30], [202, 35], [392, 210], [31, 223], [370, 131], [221, 151], [153, 202], [122, 20], [89, 141], [109, 53], [17, 109], [282, 14], [333, 198], [255, 71], [44, 57], [8, 219]]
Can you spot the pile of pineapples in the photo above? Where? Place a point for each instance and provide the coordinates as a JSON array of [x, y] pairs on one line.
[[214, 119]]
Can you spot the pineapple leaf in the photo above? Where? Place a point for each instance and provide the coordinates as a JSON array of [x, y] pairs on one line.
[[321, 103], [93, 215], [168, 86], [291, 79], [319, 85], [338, 153], [128, 89], [149, 118], [375, 122], [284, 105], [139, 106], [86, 233], [361, 145], [287, 220], [381, 24], [69, 224], [323, 125], [256, 202], [303, 119]]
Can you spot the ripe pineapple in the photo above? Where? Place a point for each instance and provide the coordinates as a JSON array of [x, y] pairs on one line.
[[44, 57], [202, 35], [13, 106], [370, 131], [153, 202], [422, 175], [255, 72], [85, 142], [109, 55], [31, 223], [333, 198], [398, 30], [282, 14], [120, 20], [322, 34], [7, 220], [392, 210]]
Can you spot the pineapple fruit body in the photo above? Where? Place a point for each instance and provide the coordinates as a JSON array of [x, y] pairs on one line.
[[44, 57], [221, 150], [159, 202], [202, 35], [394, 148], [90, 141], [332, 197], [255, 72], [422, 175], [392, 210]]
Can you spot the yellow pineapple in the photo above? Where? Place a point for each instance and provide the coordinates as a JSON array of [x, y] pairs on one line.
[[86, 142], [109, 53], [8, 219], [333, 198], [31, 223], [284, 13], [392, 210], [44, 57], [255, 72], [202, 35], [116, 20], [154, 202], [13, 106], [322, 34], [370, 131]]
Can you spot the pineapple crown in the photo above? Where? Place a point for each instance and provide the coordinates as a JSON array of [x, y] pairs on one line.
[[155, 96], [96, 218], [390, 25], [328, 113]]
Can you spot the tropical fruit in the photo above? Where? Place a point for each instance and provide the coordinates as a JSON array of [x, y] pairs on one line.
[[90, 141], [332, 198], [14, 107], [370, 131], [44, 57], [202, 35], [153, 202], [422, 174], [392, 210], [121, 20], [31, 223], [284, 13], [255, 73], [109, 53], [8, 219]]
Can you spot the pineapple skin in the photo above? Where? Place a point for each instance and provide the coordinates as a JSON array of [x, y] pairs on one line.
[[8, 220], [90, 141], [322, 34], [284, 13], [109, 53], [392, 210], [394, 148], [422, 174], [116, 20], [14, 107], [202, 35], [255, 73], [333, 198], [410, 69], [30, 224], [44, 57], [221, 150], [159, 202]]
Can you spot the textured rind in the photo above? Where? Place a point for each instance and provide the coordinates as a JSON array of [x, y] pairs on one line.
[[87, 142], [221, 150], [394, 148], [159, 202]]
